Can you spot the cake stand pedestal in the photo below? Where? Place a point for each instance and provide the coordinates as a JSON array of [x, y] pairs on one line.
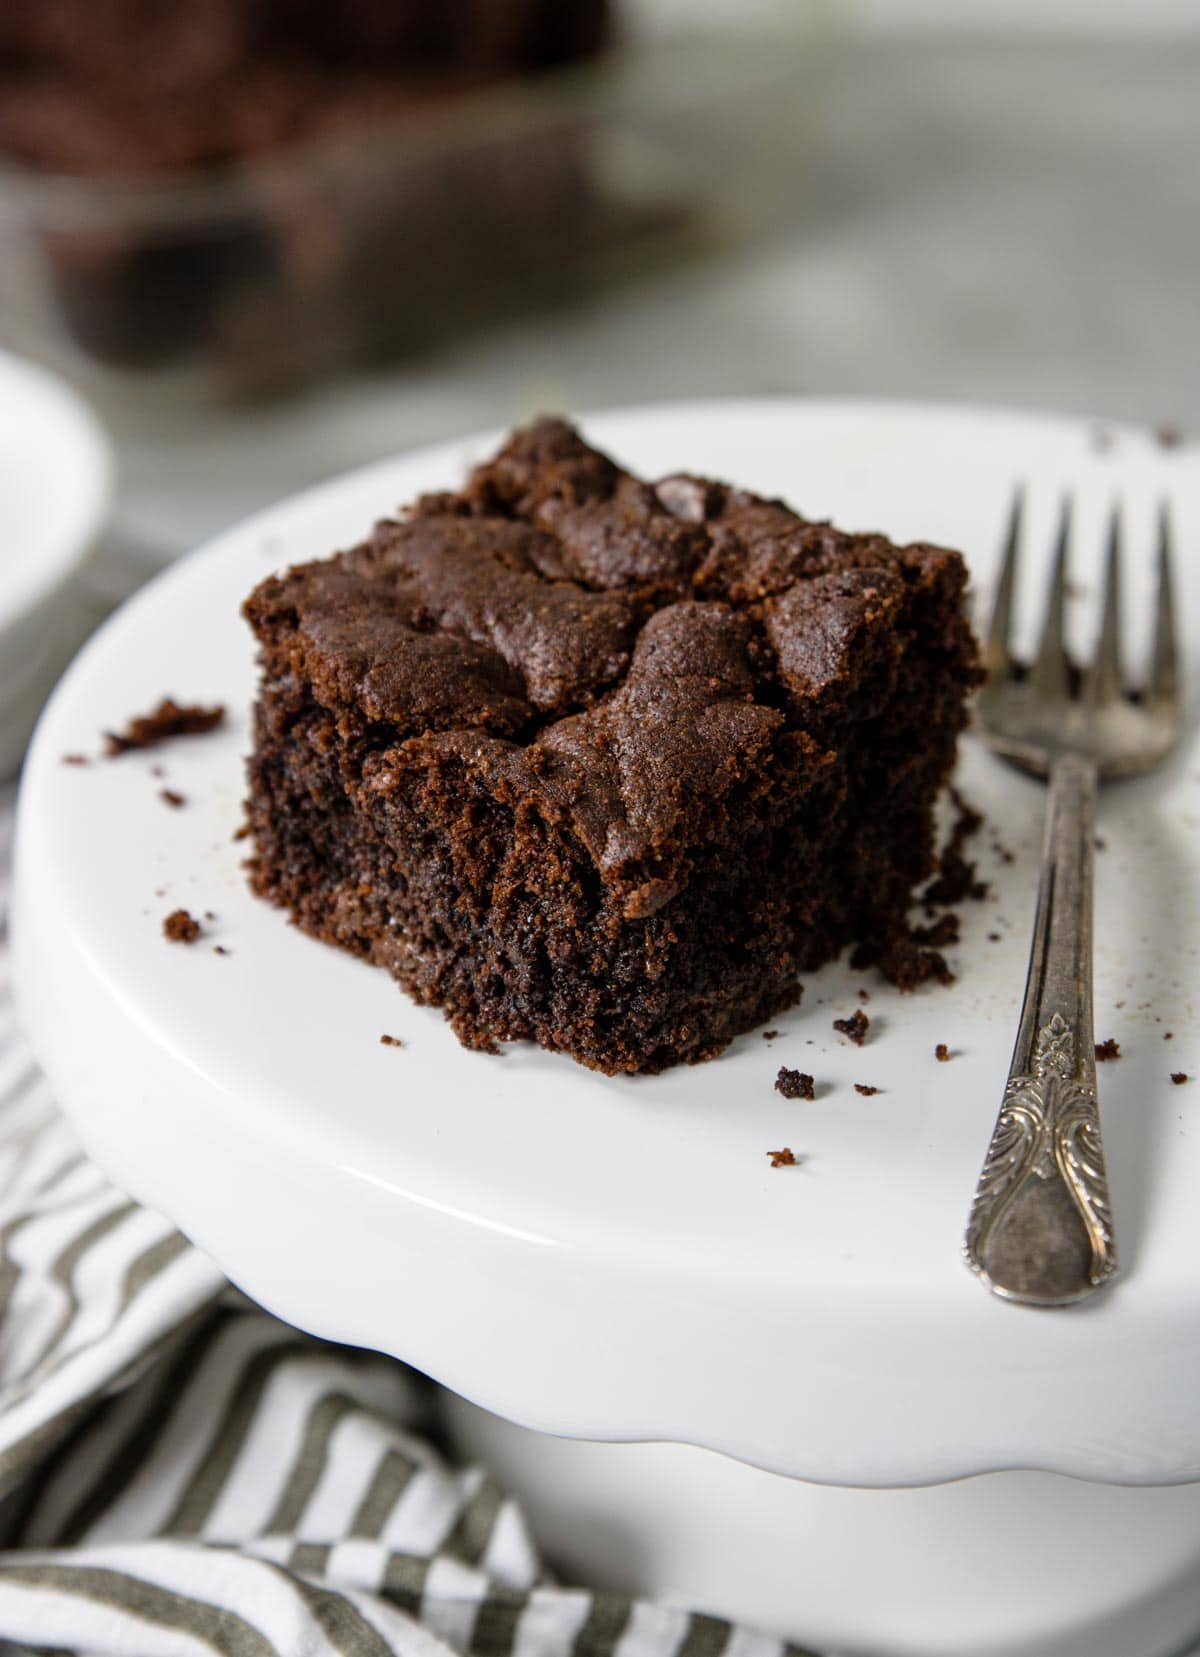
[[761, 1364], [999, 1565]]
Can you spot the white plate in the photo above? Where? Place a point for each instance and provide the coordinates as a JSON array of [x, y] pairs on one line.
[[55, 485], [614, 1258]]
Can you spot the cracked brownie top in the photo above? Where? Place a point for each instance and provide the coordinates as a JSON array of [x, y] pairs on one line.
[[641, 647]]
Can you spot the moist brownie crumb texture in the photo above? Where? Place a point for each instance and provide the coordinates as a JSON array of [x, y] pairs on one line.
[[604, 764]]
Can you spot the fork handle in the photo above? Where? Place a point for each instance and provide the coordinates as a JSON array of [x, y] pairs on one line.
[[1040, 1228]]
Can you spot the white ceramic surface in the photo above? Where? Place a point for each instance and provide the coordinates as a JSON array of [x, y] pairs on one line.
[[614, 1259], [1003, 1565], [55, 486]]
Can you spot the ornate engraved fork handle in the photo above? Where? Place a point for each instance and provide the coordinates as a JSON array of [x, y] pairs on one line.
[[1040, 1228]]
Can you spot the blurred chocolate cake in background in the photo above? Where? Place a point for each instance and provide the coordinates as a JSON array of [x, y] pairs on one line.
[[269, 184], [140, 87]]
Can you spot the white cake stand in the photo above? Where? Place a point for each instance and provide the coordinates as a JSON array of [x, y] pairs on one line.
[[614, 1261]]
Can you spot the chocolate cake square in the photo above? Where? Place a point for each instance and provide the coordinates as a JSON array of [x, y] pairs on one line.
[[605, 764]]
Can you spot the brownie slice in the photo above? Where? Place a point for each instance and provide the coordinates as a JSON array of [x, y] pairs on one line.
[[601, 764]]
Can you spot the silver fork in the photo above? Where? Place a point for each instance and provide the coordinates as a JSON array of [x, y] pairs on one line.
[[1040, 1228]]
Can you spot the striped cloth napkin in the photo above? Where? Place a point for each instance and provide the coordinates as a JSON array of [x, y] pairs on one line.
[[181, 1473]]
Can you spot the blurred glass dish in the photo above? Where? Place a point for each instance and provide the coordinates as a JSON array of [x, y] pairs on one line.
[[366, 244], [56, 479]]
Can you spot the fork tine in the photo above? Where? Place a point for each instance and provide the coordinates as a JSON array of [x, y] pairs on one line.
[[1104, 676], [1050, 675], [997, 656], [1164, 668]]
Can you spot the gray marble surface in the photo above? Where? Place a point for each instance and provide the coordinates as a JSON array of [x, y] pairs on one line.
[[1015, 223]]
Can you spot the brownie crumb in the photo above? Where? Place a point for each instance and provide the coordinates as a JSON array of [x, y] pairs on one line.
[[856, 1026], [219, 949], [1106, 1050], [770, 1035], [794, 1084], [243, 832], [181, 927], [995, 938], [865, 1089], [76, 759], [945, 930], [970, 821], [783, 1158], [941, 1053], [391, 1041], [1169, 436], [170, 718], [1168, 1035], [1179, 1077], [1100, 844], [168, 796], [956, 878], [955, 882], [903, 961], [864, 995]]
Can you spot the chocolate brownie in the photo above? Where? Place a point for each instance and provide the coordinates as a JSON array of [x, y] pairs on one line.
[[599, 763]]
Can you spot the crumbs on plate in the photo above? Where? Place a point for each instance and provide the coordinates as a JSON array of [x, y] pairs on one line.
[[169, 718], [180, 927], [856, 1026], [794, 1084]]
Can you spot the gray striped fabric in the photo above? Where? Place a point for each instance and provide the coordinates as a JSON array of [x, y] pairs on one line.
[[181, 1473]]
